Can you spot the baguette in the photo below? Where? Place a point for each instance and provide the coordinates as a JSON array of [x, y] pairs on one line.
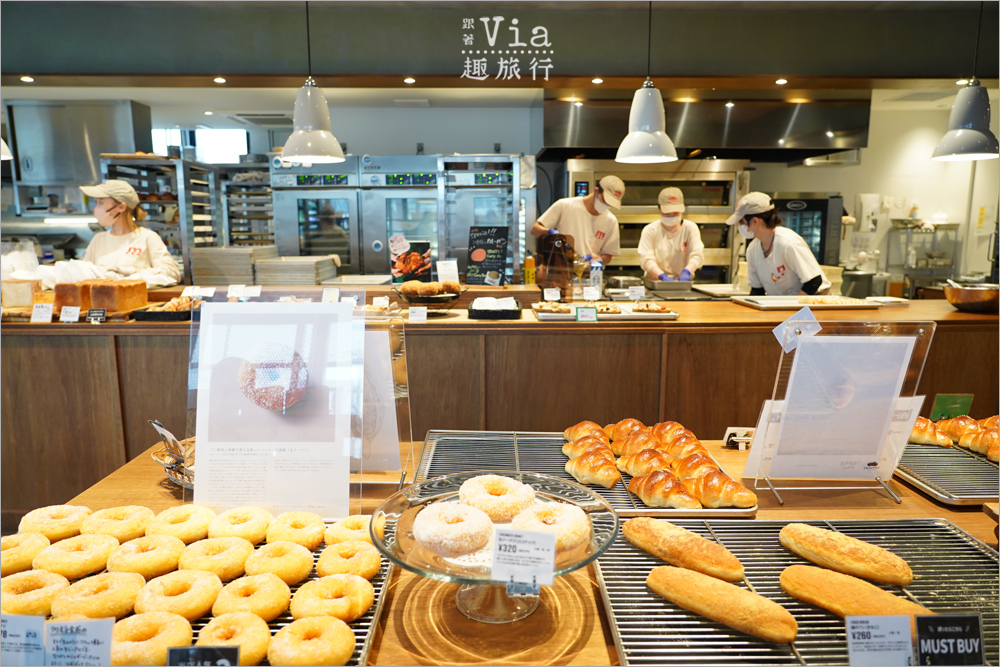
[[925, 432], [661, 489], [846, 554], [725, 603], [683, 548]]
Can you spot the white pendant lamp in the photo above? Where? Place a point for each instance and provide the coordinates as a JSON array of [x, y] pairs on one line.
[[5, 151], [969, 136], [311, 140], [647, 141]]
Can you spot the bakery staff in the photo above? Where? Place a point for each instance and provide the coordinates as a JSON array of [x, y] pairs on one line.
[[671, 248], [779, 262], [587, 219], [125, 248]]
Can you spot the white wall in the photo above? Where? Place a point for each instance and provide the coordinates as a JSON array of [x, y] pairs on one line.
[[897, 164]]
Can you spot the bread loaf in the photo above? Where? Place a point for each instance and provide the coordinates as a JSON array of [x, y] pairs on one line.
[[118, 295], [661, 488], [925, 432], [990, 422], [683, 548], [725, 603], [695, 465], [621, 429], [957, 427], [644, 462], [979, 441], [594, 468], [846, 554], [19, 293], [635, 442], [577, 431], [584, 445], [717, 489]]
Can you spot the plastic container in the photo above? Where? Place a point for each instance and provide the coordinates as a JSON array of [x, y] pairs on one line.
[[529, 270], [597, 273]]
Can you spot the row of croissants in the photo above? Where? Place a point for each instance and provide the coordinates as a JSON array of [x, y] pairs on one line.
[[982, 436], [668, 464]]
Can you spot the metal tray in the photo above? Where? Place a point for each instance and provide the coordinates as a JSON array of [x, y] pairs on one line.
[[626, 314], [792, 303], [447, 452], [955, 573], [951, 475]]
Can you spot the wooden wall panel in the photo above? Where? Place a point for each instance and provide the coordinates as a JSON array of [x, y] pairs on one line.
[[445, 380], [549, 382], [963, 361]]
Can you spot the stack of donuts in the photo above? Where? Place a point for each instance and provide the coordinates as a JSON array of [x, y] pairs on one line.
[[156, 574], [668, 464]]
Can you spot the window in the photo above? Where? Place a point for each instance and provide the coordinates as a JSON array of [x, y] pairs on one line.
[[211, 146]]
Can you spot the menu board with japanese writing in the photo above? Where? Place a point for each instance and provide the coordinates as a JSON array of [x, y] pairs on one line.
[[487, 255]]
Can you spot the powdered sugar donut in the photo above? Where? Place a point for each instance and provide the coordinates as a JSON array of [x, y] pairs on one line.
[[56, 522], [452, 529], [274, 377], [76, 557], [30, 593], [122, 523], [568, 523], [502, 498], [103, 595], [188, 523], [17, 551], [145, 639], [250, 523]]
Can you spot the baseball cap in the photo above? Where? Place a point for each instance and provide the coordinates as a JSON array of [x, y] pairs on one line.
[[614, 190], [671, 200], [118, 190], [749, 204]]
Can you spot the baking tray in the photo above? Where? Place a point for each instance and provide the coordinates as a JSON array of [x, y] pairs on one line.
[[955, 573], [496, 314], [625, 315], [447, 452], [793, 303], [951, 475]]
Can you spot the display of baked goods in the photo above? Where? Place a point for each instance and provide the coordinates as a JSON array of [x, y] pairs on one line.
[[112, 295], [925, 432], [831, 300], [551, 307], [843, 553], [177, 304], [649, 307], [604, 307], [432, 288], [679, 546], [980, 436], [19, 293]]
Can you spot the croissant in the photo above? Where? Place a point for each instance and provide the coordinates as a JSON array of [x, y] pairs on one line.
[[956, 428], [621, 430], [990, 422], [661, 489], [584, 445], [645, 462], [594, 468], [663, 430], [980, 441], [695, 465], [993, 453], [925, 432], [684, 447], [717, 489], [635, 442], [577, 431]]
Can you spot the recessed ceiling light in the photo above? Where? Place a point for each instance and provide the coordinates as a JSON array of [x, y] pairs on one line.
[[829, 134], [685, 99], [781, 142], [962, 82], [578, 103], [27, 79], [781, 82], [409, 79], [219, 79], [798, 100], [597, 80], [209, 113], [729, 105]]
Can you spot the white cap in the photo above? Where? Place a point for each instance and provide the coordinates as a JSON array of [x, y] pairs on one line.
[[750, 204], [118, 190], [614, 189], [671, 200]]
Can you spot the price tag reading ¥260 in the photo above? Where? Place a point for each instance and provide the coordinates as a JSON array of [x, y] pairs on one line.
[[80, 642], [873, 641], [636, 293], [551, 294], [22, 640], [523, 557]]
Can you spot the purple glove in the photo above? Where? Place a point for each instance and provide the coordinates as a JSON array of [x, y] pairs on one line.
[[551, 231], [586, 258], [665, 278], [685, 275]]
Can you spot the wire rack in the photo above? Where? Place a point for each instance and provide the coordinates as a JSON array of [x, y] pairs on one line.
[[952, 475], [953, 573], [448, 452]]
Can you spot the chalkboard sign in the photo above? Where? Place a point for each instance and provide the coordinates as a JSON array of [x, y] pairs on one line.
[[487, 255]]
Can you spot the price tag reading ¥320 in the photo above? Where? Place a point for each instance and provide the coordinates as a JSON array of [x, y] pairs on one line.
[[523, 557], [873, 641]]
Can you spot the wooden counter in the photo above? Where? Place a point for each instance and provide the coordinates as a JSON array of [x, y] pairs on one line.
[[420, 624]]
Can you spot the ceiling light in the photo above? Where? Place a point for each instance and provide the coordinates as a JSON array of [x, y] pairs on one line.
[[209, 113], [597, 80], [5, 151], [962, 82], [798, 100], [219, 79], [578, 103], [409, 79], [27, 79], [781, 82], [829, 134], [729, 105], [781, 142], [685, 100]]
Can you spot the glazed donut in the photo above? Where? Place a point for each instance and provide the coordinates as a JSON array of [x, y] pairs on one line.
[[274, 377], [188, 593], [343, 596], [319, 640], [263, 594], [103, 595], [188, 523], [240, 628], [56, 522], [30, 593], [350, 557], [567, 522], [151, 556], [352, 528], [76, 557], [502, 498], [303, 528], [122, 523], [291, 562], [224, 556], [17, 551], [452, 529], [250, 523], [143, 639]]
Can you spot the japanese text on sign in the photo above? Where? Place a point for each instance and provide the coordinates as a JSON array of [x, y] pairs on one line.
[[488, 56]]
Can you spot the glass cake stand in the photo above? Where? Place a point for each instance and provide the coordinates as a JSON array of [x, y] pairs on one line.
[[480, 597]]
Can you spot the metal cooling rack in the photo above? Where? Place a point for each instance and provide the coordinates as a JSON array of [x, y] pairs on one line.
[[954, 573], [448, 452], [952, 475]]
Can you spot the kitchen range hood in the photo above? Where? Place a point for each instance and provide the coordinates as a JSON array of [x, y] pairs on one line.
[[757, 130]]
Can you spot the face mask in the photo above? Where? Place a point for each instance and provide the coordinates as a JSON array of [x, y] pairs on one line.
[[745, 232], [106, 220], [670, 224], [600, 206]]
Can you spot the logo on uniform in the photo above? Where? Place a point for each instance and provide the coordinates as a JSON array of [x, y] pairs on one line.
[[599, 235], [672, 200], [133, 251], [781, 274]]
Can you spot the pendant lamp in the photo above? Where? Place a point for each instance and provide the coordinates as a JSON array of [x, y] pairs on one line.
[[647, 140], [5, 151], [311, 140], [969, 136]]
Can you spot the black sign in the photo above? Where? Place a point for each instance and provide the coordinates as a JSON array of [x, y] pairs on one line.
[[950, 639], [487, 255], [196, 656], [98, 314]]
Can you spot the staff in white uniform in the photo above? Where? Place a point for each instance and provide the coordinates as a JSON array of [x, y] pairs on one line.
[[587, 219], [779, 262], [126, 248], [671, 248]]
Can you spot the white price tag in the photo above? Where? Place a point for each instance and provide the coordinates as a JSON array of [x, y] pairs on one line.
[[80, 642], [551, 294], [494, 281], [22, 640], [190, 290], [523, 556], [591, 293], [206, 292], [636, 293], [42, 312], [70, 314], [585, 314], [418, 314], [448, 270], [251, 291], [331, 295], [236, 290], [398, 244], [352, 300], [874, 641], [380, 301]]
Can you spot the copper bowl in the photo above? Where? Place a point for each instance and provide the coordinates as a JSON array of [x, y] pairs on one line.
[[977, 298]]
